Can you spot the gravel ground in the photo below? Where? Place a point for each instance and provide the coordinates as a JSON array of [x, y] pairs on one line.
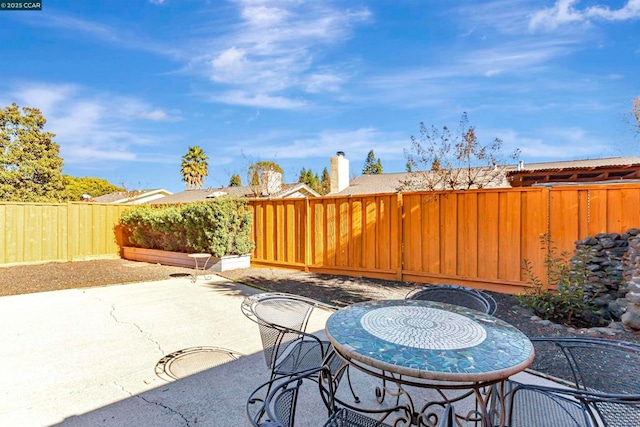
[[25, 279], [337, 290]]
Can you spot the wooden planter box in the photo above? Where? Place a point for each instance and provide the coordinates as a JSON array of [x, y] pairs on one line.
[[180, 259]]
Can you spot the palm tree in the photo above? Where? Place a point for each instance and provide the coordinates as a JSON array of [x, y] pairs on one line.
[[194, 168]]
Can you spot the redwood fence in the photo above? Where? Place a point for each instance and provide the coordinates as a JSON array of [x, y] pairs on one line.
[[478, 238]]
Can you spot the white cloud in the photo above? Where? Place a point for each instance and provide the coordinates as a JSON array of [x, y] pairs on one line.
[[566, 12], [273, 51], [513, 57], [248, 99], [355, 143], [469, 73], [112, 34], [631, 10], [324, 82], [264, 15], [555, 144], [91, 127], [273, 48]]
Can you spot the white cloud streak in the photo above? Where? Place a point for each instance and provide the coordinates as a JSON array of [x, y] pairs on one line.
[[356, 143], [566, 12], [555, 144], [107, 33], [273, 50], [92, 127]]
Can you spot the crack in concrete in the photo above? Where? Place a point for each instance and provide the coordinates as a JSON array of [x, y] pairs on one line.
[[147, 335], [144, 399]]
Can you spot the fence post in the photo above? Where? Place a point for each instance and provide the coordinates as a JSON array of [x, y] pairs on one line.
[[307, 235], [400, 239]]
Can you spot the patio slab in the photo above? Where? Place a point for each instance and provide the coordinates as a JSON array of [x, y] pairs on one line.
[[69, 353], [88, 356]]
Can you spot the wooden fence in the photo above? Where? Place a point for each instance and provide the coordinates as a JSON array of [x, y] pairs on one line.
[[478, 238], [41, 232]]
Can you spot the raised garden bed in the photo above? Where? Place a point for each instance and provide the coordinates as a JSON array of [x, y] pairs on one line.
[[181, 259]]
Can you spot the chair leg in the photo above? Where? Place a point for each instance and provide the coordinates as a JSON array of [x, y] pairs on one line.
[[355, 397]]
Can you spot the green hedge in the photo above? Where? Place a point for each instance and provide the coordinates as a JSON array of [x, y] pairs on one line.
[[219, 227]]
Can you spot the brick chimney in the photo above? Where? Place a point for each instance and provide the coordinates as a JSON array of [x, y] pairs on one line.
[[339, 172]]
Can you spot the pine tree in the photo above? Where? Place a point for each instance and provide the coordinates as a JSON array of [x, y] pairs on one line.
[[325, 183], [409, 166], [311, 179], [372, 166], [30, 162], [235, 180]]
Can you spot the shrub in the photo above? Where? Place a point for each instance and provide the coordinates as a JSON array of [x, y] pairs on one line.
[[569, 303], [219, 227]]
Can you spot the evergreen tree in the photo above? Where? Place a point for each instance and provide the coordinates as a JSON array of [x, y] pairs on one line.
[[30, 162], [325, 183], [312, 180], [235, 180], [75, 187], [372, 165], [194, 168]]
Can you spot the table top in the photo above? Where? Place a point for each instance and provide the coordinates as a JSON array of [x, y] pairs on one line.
[[199, 255], [429, 340]]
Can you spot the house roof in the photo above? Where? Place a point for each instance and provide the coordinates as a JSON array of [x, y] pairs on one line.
[[130, 196], [374, 183], [391, 182], [185, 197], [576, 164], [576, 171], [286, 191], [407, 181]]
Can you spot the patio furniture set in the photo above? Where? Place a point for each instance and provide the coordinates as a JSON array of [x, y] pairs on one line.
[[442, 338]]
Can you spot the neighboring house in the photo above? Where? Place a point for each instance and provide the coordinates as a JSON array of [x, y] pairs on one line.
[[134, 196], [612, 170], [274, 189]]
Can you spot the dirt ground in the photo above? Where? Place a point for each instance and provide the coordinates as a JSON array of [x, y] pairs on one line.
[[337, 290]]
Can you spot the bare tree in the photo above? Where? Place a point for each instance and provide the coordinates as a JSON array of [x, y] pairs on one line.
[[440, 160], [636, 112]]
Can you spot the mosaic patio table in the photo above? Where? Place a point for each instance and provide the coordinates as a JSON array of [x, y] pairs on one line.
[[430, 345]]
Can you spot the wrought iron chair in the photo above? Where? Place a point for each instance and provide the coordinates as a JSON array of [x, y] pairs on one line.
[[279, 408], [281, 404], [458, 295], [282, 319], [597, 385]]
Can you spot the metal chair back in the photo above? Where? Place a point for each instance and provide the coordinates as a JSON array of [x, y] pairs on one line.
[[458, 295], [282, 320], [607, 367], [597, 384], [280, 406]]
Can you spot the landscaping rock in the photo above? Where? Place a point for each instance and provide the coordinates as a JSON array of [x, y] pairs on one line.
[[631, 320]]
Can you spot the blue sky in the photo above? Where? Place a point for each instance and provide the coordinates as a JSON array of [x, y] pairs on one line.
[[128, 86]]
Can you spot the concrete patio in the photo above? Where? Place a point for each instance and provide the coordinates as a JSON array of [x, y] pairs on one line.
[[88, 356]]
